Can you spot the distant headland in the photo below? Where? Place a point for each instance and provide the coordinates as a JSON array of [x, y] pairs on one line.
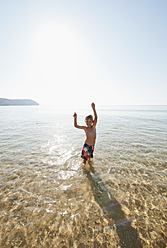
[[17, 102]]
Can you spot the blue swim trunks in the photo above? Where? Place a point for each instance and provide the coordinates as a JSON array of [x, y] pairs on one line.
[[87, 151]]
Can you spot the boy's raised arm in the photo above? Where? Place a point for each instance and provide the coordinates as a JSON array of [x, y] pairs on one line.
[[75, 122], [75, 119], [95, 114]]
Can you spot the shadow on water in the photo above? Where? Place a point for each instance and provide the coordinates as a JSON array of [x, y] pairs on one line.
[[127, 234]]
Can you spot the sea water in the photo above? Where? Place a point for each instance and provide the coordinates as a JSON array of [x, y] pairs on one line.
[[46, 200]]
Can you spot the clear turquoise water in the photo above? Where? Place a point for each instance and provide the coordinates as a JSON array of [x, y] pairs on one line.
[[47, 201]]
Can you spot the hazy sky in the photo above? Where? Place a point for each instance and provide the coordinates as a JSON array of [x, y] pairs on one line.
[[73, 52]]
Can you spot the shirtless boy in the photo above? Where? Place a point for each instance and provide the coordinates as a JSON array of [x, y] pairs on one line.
[[90, 131]]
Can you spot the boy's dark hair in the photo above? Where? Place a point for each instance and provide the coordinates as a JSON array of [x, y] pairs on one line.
[[89, 117]]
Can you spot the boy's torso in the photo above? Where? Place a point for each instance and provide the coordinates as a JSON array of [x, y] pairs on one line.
[[90, 135]]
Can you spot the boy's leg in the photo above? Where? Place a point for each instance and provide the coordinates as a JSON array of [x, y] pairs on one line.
[[92, 168], [91, 160], [85, 166]]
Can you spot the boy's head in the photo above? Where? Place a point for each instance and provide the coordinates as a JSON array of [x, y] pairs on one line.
[[89, 120]]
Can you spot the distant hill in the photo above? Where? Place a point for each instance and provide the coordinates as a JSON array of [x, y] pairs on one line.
[[17, 102]]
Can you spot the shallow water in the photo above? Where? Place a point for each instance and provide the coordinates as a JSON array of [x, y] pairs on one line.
[[47, 201]]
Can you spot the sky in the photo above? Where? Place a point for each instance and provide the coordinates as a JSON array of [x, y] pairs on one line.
[[74, 52]]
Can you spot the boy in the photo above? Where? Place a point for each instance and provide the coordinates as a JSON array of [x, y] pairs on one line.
[[90, 131]]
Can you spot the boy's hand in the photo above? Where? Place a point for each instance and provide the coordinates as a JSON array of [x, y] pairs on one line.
[[93, 105], [75, 115]]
